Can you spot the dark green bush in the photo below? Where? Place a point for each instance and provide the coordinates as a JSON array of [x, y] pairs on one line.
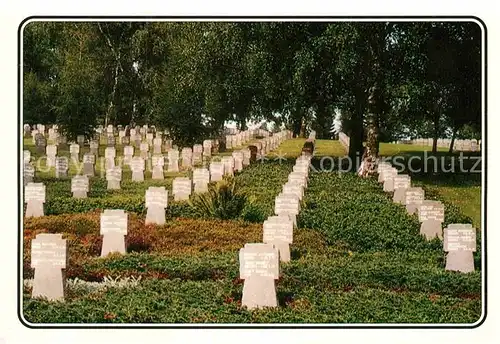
[[223, 201]]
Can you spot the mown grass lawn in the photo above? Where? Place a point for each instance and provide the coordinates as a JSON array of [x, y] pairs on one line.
[[387, 149]]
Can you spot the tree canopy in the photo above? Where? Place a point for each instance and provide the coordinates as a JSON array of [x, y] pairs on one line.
[[387, 80]]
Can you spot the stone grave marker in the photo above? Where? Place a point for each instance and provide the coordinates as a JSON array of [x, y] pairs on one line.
[[157, 143], [62, 166], [246, 156], [109, 129], [41, 128], [207, 148], [34, 134], [34, 197], [228, 162], [181, 188], [238, 160], [156, 202], [287, 205], [259, 267], [113, 230], [114, 177], [137, 139], [187, 157], [197, 155], [264, 147], [137, 167], [49, 254], [413, 198], [144, 147], [80, 186], [26, 156], [388, 178], [125, 140], [28, 173], [27, 130], [216, 171], [149, 138], [294, 188], [237, 140], [299, 178], [109, 155], [229, 142], [51, 155], [167, 145], [128, 153], [158, 161], [111, 141], [278, 230], [431, 215], [256, 149], [401, 183], [74, 150], [474, 146], [380, 168], [173, 160], [41, 143], [302, 167], [468, 145], [215, 146], [460, 243], [94, 147], [89, 164], [201, 178]]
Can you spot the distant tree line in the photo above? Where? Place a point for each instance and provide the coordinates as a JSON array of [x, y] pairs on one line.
[[387, 80]]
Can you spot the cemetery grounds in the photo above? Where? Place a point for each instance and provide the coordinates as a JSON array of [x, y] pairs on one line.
[[356, 256]]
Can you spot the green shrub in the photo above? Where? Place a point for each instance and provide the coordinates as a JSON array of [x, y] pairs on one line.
[[222, 201]]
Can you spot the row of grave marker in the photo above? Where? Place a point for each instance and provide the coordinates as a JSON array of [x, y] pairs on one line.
[[260, 262], [49, 252], [459, 240], [181, 187], [458, 145], [190, 157], [142, 137]]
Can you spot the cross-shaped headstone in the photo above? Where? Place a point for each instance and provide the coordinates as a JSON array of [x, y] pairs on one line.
[[137, 167], [460, 243], [49, 254], [278, 230], [401, 183], [80, 186], [62, 166], [113, 229], [431, 215], [181, 188], [156, 202], [157, 161], [34, 197], [114, 177], [259, 267], [88, 164], [413, 198]]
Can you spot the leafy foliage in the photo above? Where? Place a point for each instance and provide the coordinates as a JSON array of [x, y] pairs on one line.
[[390, 79], [222, 200]]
